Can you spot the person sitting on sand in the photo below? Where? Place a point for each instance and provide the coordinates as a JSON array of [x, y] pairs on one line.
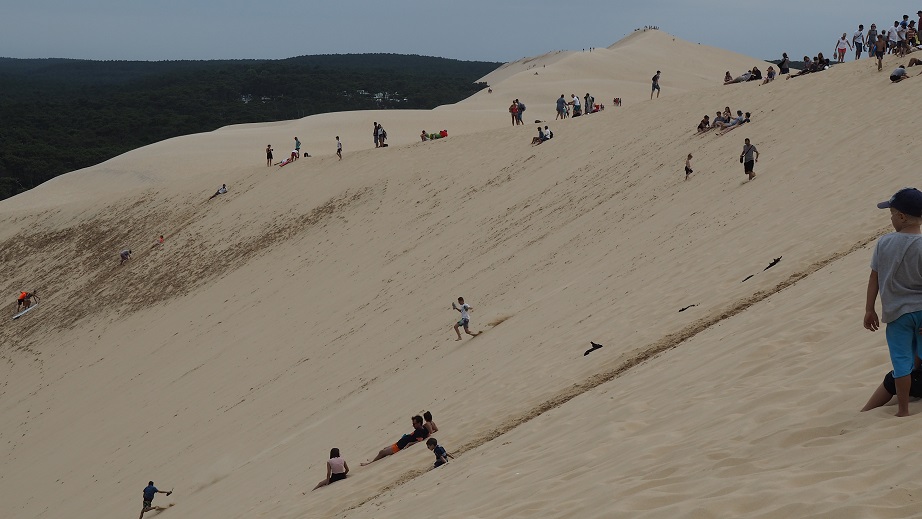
[[25, 300], [419, 434], [429, 424], [740, 79], [705, 124], [769, 75], [808, 67], [540, 138], [337, 468], [727, 77], [423, 136], [441, 455], [898, 74], [548, 134], [221, 190], [756, 74]]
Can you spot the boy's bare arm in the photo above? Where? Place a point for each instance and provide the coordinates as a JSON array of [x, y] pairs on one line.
[[871, 321]]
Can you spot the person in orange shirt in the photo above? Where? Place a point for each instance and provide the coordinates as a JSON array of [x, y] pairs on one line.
[[25, 300]]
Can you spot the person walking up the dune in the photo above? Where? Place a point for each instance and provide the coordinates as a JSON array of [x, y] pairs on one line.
[[149, 492], [158, 244], [125, 255], [339, 148], [655, 85], [841, 46], [896, 274], [297, 148], [25, 300], [749, 157], [858, 41], [465, 320], [688, 167], [268, 155]]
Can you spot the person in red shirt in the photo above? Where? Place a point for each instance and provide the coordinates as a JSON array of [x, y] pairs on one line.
[[25, 300]]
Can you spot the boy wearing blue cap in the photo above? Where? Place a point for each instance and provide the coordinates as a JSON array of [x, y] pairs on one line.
[[896, 273]]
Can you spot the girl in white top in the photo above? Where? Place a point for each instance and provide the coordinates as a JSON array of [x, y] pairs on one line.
[[841, 46], [337, 468]]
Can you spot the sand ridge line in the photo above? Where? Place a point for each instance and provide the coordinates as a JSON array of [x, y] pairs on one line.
[[662, 345]]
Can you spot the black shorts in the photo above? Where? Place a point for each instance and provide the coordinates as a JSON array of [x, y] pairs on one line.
[[914, 390], [879, 53], [688, 170], [337, 477], [748, 166]]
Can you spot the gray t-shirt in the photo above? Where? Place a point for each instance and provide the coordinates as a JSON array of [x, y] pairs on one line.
[[748, 151], [897, 260]]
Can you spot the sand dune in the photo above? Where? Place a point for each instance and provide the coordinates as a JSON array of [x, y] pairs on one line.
[[309, 308]]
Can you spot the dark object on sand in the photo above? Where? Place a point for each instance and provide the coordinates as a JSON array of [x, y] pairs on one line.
[[747, 277], [773, 263], [687, 307], [592, 349]]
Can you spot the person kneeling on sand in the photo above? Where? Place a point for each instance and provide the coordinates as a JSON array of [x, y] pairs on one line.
[[337, 468], [125, 255], [898, 74], [25, 300], [887, 389], [419, 434]]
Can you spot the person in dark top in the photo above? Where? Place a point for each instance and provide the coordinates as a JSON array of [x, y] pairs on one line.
[[149, 492], [887, 389], [441, 455], [419, 434]]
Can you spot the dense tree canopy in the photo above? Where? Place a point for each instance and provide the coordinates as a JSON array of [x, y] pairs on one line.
[[60, 115]]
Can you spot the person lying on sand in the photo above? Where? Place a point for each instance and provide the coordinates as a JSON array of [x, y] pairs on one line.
[[419, 434], [808, 68], [746, 76], [734, 124], [736, 120], [221, 190]]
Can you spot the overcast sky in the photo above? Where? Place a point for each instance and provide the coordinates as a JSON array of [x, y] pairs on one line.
[[487, 30]]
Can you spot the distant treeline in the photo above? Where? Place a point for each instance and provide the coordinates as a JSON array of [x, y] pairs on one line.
[[59, 115]]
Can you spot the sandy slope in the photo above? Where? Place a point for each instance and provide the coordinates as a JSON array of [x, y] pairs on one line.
[[309, 308]]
